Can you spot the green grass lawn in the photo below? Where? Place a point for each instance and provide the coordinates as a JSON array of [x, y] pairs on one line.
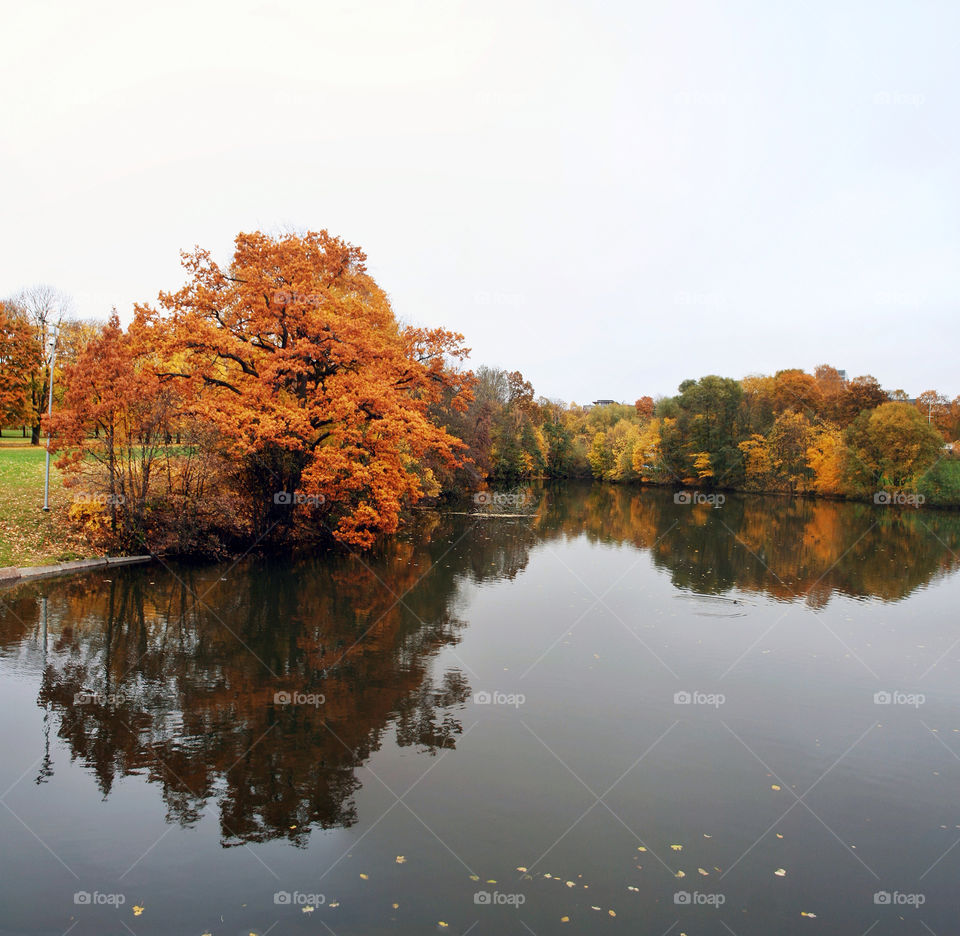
[[28, 535]]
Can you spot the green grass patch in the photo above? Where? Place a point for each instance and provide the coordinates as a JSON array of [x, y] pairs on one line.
[[29, 535]]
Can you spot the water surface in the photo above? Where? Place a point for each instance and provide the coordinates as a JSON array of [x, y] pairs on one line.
[[653, 708]]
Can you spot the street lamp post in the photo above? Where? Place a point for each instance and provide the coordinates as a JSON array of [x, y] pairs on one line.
[[52, 344]]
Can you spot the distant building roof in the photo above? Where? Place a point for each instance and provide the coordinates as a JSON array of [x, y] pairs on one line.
[[603, 402]]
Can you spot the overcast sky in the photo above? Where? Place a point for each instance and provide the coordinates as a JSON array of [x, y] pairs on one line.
[[609, 197]]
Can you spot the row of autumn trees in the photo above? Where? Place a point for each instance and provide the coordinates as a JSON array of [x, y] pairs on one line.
[[278, 399], [792, 432]]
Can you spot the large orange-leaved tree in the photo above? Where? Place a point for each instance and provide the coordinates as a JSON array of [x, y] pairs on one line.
[[313, 388]]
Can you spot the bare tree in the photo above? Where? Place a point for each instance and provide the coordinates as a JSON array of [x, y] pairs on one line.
[[44, 308]]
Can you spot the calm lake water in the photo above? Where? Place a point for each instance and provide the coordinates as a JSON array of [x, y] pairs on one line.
[[615, 714]]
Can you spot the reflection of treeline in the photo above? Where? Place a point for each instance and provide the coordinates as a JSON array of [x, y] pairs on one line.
[[787, 548], [792, 432], [175, 675]]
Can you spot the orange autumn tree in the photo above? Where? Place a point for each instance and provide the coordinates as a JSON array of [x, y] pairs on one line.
[[314, 389], [112, 429], [20, 356]]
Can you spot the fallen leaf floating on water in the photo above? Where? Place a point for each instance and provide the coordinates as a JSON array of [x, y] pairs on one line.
[[137, 910], [491, 881], [612, 912], [641, 848], [779, 835], [564, 919], [595, 908], [681, 874], [442, 925], [780, 872], [306, 909], [334, 905], [703, 872], [521, 868], [474, 877], [811, 916], [677, 847], [395, 906], [401, 859], [707, 836], [546, 876], [364, 877], [774, 786], [570, 884], [630, 887]]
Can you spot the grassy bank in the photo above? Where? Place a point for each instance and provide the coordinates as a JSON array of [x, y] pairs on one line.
[[28, 535]]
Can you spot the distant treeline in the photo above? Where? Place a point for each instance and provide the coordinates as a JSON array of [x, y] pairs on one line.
[[793, 432]]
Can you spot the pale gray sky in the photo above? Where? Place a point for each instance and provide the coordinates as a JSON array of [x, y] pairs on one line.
[[609, 197]]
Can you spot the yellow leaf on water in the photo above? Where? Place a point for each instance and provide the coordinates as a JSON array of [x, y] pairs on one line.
[[812, 916], [779, 835], [137, 910], [681, 874], [703, 872], [774, 786], [521, 868], [396, 906], [442, 925], [564, 919], [571, 884], [677, 847], [364, 877], [401, 859], [780, 872], [474, 877], [641, 848], [612, 912], [334, 905], [491, 881], [306, 909]]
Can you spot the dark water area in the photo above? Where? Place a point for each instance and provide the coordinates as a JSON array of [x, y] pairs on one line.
[[613, 713]]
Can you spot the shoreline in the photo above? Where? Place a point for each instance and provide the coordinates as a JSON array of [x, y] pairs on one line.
[[15, 575]]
